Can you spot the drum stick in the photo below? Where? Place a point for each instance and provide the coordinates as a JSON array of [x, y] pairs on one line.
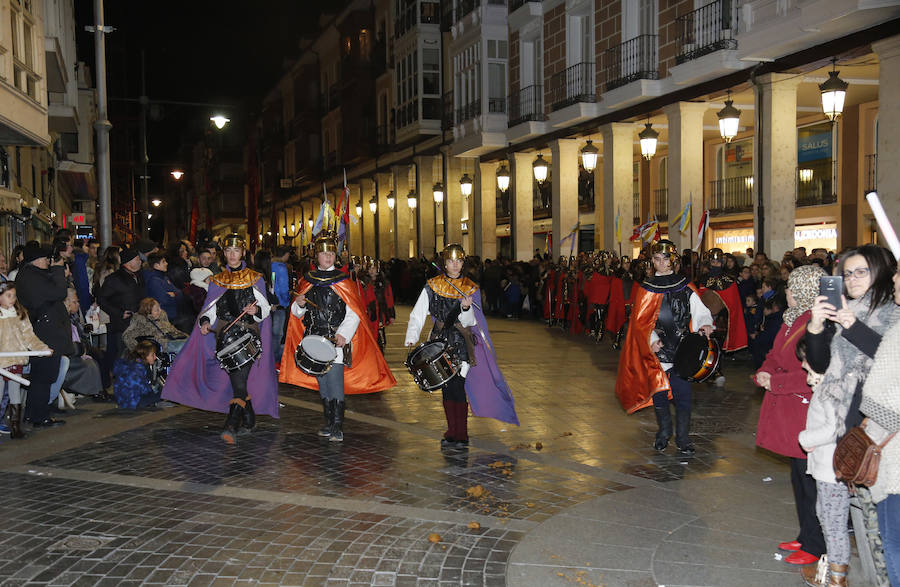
[[308, 301], [14, 377], [459, 291], [241, 315], [46, 353], [884, 224]]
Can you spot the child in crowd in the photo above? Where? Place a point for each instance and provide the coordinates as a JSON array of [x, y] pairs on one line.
[[15, 334], [134, 386]]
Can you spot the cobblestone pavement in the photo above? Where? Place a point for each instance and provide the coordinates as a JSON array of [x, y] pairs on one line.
[[575, 496]]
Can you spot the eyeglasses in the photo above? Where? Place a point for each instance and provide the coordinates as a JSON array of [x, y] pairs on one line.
[[858, 273]]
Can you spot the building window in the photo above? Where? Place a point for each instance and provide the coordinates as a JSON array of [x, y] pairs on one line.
[[407, 94], [4, 169]]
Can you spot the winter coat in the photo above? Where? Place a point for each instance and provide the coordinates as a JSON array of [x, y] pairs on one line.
[[41, 292], [160, 330], [15, 335], [121, 291], [881, 404], [159, 286]]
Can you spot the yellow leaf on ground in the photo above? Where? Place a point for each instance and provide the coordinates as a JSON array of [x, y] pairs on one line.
[[434, 537], [474, 526]]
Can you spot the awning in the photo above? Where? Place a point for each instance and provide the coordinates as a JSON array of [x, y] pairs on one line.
[[80, 182]]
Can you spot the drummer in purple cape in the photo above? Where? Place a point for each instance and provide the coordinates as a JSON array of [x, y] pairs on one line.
[[465, 366], [666, 310], [232, 371]]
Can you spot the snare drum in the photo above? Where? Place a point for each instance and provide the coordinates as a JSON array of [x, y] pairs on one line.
[[431, 365], [237, 347], [697, 357], [315, 354]]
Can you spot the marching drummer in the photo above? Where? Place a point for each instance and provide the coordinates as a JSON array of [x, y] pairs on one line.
[[666, 308], [328, 307], [450, 300], [202, 375]]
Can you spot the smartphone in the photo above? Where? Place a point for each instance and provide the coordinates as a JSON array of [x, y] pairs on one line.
[[832, 287]]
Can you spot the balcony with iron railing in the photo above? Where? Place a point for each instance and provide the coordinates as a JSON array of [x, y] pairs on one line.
[[526, 105], [706, 30], [632, 60], [871, 173], [447, 111], [517, 4], [636, 208], [731, 195], [468, 111], [496, 105], [464, 7], [383, 138], [573, 85], [661, 203], [503, 211], [815, 183]]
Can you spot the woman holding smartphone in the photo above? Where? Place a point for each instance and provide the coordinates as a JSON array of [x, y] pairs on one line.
[[841, 343]]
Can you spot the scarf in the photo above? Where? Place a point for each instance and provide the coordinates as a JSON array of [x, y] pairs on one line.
[[849, 367], [804, 285], [8, 312]]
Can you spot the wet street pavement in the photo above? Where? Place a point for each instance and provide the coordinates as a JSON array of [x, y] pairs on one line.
[[575, 496]]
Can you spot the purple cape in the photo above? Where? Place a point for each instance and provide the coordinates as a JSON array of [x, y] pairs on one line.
[[489, 394], [196, 379]]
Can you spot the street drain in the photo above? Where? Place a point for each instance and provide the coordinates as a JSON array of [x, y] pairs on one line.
[[81, 543]]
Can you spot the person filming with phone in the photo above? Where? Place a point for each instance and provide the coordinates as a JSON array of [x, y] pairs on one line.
[[842, 336]]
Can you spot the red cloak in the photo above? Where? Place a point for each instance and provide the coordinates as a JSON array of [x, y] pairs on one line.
[[737, 329], [615, 314]]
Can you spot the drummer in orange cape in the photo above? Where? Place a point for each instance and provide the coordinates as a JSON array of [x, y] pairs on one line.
[[665, 310], [326, 312]]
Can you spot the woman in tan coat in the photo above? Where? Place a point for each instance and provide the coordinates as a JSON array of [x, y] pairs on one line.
[[152, 322]]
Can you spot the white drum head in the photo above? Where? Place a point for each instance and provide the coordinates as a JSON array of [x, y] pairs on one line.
[[318, 348]]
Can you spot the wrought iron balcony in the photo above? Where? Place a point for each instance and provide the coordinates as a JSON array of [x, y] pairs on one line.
[[383, 138], [731, 195], [503, 206], [815, 183], [708, 29], [469, 111], [573, 85], [497, 105], [447, 111], [871, 173], [636, 208], [527, 104], [517, 4], [632, 60], [661, 203], [464, 7]]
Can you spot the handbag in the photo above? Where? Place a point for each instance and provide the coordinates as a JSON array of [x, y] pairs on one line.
[[857, 457]]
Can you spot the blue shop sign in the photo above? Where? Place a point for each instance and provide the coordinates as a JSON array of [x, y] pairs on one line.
[[814, 147]]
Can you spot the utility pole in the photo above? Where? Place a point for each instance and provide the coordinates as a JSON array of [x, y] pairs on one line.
[[102, 125], [145, 158]]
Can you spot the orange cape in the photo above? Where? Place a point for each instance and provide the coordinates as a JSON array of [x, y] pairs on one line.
[[640, 372], [369, 373], [737, 330]]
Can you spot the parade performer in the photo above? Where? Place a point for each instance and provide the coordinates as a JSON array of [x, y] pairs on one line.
[[450, 300], [666, 307], [719, 292], [550, 293], [378, 298], [616, 316], [328, 305], [236, 303]]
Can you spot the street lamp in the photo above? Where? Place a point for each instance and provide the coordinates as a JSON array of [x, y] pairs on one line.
[[391, 200], [177, 174], [359, 209], [220, 121], [438, 191], [729, 120], [411, 200], [310, 222], [466, 185], [156, 202], [540, 168], [373, 204], [503, 177], [589, 156], [834, 90], [648, 138]]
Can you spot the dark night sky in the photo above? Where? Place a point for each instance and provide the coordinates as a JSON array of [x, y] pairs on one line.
[[199, 51]]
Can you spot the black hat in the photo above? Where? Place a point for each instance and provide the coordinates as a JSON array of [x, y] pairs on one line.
[[35, 251], [127, 255], [145, 246]]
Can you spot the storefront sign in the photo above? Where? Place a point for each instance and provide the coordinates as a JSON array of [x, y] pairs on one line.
[[739, 152], [814, 147], [811, 237]]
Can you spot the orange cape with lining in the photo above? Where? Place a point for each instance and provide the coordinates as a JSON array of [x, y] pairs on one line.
[[640, 372], [369, 373]]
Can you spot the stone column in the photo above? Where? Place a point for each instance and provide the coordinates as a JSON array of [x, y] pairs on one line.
[[522, 205], [685, 167], [564, 153], [453, 200], [775, 164], [888, 147], [356, 228], [483, 223], [401, 211], [385, 217], [425, 209], [369, 233], [618, 156]]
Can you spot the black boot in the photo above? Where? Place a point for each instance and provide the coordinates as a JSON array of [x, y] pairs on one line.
[[15, 421], [328, 410], [682, 431], [248, 423], [664, 431], [233, 421], [337, 429]]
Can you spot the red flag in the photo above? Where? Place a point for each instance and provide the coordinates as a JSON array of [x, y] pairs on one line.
[[701, 229]]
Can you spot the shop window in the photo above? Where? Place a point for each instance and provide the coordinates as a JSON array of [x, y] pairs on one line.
[[815, 165]]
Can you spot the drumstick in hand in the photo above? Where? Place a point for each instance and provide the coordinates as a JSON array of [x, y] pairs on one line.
[[241, 315]]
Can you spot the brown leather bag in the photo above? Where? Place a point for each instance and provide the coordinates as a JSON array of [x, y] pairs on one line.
[[856, 457]]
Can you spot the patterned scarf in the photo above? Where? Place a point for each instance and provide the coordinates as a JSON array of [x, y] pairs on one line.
[[804, 285]]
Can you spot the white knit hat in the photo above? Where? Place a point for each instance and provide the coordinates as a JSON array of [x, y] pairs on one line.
[[199, 277]]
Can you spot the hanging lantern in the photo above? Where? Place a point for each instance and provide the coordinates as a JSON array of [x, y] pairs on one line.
[[411, 200], [438, 192], [359, 209], [503, 177], [648, 138], [373, 204], [311, 222], [729, 120], [834, 90], [540, 168], [589, 156], [466, 185], [391, 200]]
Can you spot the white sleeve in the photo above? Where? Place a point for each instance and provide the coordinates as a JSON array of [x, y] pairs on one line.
[[417, 318], [210, 314], [298, 311], [263, 304], [654, 337], [348, 325], [700, 315], [467, 318]]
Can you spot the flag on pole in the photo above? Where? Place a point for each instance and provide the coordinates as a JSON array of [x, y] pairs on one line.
[[618, 226], [320, 219], [701, 229], [683, 220], [549, 242]]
